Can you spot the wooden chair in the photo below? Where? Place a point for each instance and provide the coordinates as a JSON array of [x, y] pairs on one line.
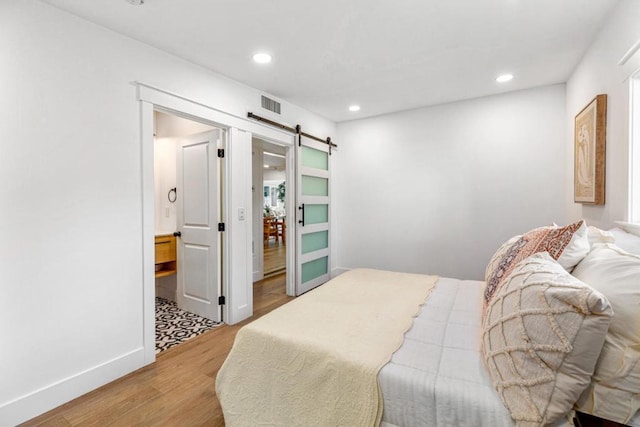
[[269, 229], [282, 230]]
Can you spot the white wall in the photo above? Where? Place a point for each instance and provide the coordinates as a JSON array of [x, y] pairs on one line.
[[599, 72], [164, 172], [71, 216], [436, 190], [635, 150], [273, 175], [171, 126]]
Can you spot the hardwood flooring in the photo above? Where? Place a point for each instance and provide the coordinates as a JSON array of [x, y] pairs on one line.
[[178, 389], [275, 260]]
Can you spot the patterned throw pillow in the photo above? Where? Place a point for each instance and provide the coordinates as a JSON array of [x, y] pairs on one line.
[[541, 337], [567, 245]]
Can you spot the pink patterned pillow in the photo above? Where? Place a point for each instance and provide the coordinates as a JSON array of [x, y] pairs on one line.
[[567, 245]]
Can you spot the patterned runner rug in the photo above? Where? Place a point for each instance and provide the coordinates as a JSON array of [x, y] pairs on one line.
[[175, 326]]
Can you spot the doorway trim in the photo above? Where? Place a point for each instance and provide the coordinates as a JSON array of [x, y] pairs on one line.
[[152, 98]]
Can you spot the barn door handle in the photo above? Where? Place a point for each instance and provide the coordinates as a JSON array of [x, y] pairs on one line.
[[301, 208]]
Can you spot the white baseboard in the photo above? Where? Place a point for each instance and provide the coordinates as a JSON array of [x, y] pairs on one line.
[[257, 275], [53, 395]]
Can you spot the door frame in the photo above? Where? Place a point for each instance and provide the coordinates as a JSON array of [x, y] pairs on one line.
[[153, 98]]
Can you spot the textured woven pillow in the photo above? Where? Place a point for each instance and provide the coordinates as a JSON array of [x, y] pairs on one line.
[[568, 245], [614, 392], [541, 337]]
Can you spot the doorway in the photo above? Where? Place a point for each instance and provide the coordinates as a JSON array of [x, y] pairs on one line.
[[237, 281], [187, 188], [269, 203]]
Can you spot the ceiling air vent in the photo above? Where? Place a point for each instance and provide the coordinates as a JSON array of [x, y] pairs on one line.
[[270, 104]]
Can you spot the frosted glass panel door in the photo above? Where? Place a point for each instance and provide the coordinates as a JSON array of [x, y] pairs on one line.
[[312, 216]]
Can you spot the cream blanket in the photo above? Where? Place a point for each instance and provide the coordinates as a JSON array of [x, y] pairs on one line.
[[315, 360]]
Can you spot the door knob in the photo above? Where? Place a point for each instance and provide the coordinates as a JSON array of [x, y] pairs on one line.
[[177, 234]]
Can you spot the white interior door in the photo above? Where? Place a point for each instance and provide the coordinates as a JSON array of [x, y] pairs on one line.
[[198, 214], [313, 211]]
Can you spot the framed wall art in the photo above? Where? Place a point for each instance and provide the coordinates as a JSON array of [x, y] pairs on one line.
[[589, 152]]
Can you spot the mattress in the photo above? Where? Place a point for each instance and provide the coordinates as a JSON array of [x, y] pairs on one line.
[[437, 377]]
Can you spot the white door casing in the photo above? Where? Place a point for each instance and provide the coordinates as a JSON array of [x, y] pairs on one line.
[[237, 216], [154, 98], [257, 174], [198, 214], [313, 202]]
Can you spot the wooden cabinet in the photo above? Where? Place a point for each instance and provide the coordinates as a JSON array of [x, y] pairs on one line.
[[165, 255]]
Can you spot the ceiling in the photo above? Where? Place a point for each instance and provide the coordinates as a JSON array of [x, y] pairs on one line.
[[274, 155], [274, 162], [384, 55]]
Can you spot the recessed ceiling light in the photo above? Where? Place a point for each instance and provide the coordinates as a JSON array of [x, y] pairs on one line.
[[136, 2], [504, 78], [266, 166], [354, 108], [262, 58]]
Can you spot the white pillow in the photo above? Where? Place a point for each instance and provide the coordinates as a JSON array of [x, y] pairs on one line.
[[629, 227], [541, 337], [614, 392], [627, 241], [596, 235], [577, 248]]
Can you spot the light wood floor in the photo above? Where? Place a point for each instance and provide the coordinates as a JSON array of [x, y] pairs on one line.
[[177, 390]]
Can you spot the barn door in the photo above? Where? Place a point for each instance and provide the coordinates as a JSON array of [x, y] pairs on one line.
[[313, 201]]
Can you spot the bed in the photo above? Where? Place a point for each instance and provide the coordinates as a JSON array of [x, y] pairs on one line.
[[444, 370]]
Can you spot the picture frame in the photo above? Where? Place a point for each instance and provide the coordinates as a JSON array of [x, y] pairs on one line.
[[589, 152]]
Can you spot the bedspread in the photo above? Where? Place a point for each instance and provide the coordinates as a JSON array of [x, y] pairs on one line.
[[437, 377], [315, 360]]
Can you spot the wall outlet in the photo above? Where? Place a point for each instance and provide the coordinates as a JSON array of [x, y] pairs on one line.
[[240, 214], [167, 212]]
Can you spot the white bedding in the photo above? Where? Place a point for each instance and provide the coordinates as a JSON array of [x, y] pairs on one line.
[[315, 360], [437, 377]]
